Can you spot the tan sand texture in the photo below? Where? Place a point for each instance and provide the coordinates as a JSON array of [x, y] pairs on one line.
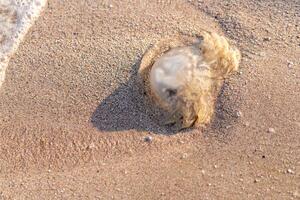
[[73, 124]]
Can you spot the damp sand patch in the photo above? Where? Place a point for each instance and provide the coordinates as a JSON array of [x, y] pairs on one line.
[[16, 17]]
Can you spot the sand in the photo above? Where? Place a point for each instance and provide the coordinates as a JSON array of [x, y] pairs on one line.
[[73, 124]]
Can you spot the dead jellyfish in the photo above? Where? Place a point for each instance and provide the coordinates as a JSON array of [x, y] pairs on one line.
[[182, 75], [172, 71]]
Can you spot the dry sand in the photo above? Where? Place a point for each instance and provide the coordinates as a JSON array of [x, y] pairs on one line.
[[72, 123]]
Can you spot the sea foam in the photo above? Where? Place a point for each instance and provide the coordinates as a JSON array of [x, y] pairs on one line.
[[16, 17]]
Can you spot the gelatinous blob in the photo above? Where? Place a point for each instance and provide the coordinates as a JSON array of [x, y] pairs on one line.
[[183, 75]]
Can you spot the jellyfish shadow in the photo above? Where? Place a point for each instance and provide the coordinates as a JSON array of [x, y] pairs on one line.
[[128, 108], [225, 116]]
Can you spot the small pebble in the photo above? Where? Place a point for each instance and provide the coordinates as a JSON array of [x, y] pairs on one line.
[[271, 130], [228, 127], [203, 171], [290, 64], [111, 6], [239, 114], [262, 54], [266, 39], [181, 142], [92, 146], [290, 171], [184, 156], [148, 139]]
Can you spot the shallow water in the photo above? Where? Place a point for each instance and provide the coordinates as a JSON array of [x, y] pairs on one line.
[[16, 17]]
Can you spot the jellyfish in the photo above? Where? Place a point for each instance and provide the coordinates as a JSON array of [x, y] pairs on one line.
[[183, 74]]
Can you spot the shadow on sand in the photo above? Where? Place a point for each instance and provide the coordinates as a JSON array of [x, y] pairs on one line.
[[127, 108]]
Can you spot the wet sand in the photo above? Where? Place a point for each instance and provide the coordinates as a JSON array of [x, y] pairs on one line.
[[73, 124]]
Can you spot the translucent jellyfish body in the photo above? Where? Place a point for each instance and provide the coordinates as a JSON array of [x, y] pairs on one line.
[[182, 76]]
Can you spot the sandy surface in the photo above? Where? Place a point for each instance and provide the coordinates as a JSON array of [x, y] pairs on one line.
[[72, 123]]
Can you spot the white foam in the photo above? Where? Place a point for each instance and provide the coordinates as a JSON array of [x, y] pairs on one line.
[[16, 17]]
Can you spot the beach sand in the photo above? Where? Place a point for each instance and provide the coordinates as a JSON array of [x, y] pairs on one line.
[[73, 123]]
